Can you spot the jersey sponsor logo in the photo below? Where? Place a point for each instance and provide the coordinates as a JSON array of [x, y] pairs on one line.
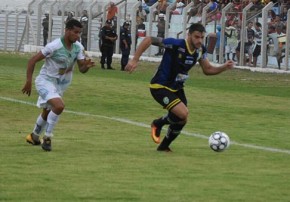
[[188, 62], [181, 49], [61, 71], [181, 77]]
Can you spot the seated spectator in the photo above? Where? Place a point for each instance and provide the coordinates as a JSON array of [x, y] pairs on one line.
[[141, 13], [213, 12], [196, 9], [161, 8], [145, 7], [278, 22], [283, 15], [176, 9], [150, 2], [271, 17]]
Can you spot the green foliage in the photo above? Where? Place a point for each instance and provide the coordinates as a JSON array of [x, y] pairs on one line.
[[102, 149]]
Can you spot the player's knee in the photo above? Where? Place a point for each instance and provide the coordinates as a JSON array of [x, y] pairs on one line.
[[183, 115], [181, 118], [58, 109]]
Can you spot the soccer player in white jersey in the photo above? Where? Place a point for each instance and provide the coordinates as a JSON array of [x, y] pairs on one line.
[[55, 76]]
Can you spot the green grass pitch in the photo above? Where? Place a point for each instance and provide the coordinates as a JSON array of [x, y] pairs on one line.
[[102, 150]]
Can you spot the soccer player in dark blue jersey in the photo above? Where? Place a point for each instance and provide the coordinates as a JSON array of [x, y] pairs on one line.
[[166, 85]]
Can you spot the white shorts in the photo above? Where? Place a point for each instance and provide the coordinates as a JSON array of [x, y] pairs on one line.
[[49, 88], [231, 48]]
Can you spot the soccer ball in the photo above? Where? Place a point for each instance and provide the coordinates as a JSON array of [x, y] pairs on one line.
[[219, 141]]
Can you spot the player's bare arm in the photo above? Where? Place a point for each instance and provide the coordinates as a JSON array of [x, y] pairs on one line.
[[144, 45], [209, 69], [29, 72]]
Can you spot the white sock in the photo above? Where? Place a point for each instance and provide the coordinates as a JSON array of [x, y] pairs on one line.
[[39, 125], [52, 119]]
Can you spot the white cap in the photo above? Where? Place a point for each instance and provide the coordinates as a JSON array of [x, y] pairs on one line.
[[84, 19]]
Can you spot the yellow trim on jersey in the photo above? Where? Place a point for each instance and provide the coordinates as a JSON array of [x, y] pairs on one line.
[[156, 86], [173, 103], [187, 46]]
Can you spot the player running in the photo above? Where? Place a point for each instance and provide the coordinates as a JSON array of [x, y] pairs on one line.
[[166, 85], [55, 76]]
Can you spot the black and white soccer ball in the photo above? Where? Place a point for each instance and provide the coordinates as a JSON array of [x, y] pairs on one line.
[[219, 141]]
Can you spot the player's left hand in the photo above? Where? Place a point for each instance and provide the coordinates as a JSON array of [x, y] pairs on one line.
[[89, 63], [229, 64]]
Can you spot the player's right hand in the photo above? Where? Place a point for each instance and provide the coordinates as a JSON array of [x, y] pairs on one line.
[[27, 88], [131, 66]]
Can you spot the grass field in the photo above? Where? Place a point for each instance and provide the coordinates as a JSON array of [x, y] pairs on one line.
[[102, 149]]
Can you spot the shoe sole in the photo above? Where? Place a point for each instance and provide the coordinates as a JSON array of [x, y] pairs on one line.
[[155, 138]]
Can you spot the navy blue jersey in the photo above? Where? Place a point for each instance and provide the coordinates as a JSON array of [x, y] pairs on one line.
[[176, 62]]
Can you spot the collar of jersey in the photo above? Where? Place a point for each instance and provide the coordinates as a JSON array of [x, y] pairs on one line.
[[63, 43], [187, 46]]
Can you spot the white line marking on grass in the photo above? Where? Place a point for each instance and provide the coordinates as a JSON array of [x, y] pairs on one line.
[[275, 150]]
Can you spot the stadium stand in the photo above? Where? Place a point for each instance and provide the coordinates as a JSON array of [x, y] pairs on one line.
[[23, 32]]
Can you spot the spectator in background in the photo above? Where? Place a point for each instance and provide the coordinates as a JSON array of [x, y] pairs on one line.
[[125, 44], [218, 40], [112, 11], [248, 46], [283, 15], [161, 31], [140, 27], [258, 42], [278, 22], [84, 35], [196, 9], [161, 8], [232, 42], [145, 7], [141, 13], [111, 14], [108, 37], [279, 47], [177, 9], [213, 11], [45, 25], [70, 15], [271, 17]]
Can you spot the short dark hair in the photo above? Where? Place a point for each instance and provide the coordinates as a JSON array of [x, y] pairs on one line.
[[196, 27], [73, 23], [258, 24]]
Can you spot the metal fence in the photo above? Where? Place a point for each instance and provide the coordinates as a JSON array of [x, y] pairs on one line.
[[18, 29]]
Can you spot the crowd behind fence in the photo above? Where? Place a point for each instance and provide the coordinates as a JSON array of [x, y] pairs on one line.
[[22, 28]]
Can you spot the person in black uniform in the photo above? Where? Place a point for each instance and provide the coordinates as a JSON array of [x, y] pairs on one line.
[[166, 86], [108, 37], [84, 36], [125, 44], [45, 25]]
